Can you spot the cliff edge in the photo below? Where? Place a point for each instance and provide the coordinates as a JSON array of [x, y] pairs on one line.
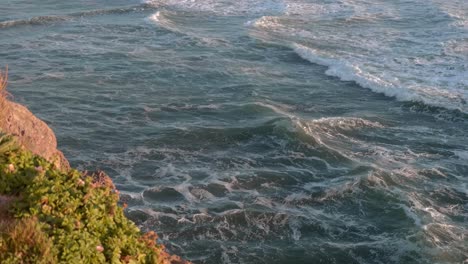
[[51, 213], [31, 132]]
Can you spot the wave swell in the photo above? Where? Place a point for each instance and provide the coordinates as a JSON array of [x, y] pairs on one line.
[[50, 19]]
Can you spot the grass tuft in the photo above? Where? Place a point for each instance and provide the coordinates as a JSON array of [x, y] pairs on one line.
[[23, 241]]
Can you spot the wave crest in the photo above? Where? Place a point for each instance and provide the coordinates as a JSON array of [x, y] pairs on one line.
[[455, 100]]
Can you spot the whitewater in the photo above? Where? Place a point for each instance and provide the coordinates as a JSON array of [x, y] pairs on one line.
[[276, 131]]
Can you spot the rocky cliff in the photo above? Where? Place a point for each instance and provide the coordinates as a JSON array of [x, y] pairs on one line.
[[31, 132], [51, 213]]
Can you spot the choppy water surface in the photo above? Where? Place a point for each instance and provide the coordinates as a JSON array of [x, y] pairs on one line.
[[278, 131]]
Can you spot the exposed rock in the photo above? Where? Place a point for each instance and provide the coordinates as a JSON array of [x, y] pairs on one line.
[[32, 133]]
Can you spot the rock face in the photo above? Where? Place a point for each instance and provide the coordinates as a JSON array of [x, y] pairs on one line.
[[32, 133]]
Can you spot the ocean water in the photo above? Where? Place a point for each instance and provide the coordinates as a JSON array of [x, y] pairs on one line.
[[261, 131]]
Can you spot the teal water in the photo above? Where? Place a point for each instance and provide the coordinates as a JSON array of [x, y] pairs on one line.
[[261, 131]]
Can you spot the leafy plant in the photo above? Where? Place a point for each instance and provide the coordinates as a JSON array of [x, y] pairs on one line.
[[74, 214]]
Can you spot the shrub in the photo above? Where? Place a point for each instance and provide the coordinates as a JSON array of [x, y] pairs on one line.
[[74, 214]]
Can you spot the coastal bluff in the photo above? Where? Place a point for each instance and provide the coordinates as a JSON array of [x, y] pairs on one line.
[[31, 132], [51, 213]]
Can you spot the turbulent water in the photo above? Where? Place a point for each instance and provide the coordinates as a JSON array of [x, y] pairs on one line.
[[261, 131]]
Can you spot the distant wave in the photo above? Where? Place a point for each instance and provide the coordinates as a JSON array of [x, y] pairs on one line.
[[351, 72], [164, 22], [224, 8], [41, 20], [165, 19], [342, 123], [381, 49]]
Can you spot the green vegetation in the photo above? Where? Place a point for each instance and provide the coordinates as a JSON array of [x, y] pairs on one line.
[[52, 216]]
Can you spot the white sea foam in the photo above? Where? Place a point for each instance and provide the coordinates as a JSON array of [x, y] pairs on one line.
[[348, 71], [362, 42], [241, 7], [165, 19], [369, 44], [347, 123], [161, 19], [280, 109]]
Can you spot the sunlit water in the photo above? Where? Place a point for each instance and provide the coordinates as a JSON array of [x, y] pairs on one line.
[[250, 131]]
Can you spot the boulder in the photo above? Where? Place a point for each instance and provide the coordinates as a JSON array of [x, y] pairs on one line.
[[32, 133]]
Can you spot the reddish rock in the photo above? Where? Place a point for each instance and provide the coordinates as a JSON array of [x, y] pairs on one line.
[[32, 133]]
